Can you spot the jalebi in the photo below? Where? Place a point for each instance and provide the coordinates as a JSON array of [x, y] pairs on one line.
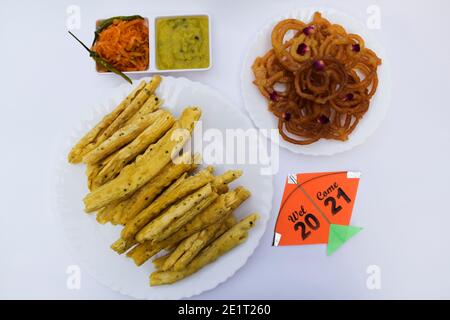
[[317, 78]]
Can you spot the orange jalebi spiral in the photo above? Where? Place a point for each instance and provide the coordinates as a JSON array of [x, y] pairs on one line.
[[317, 78]]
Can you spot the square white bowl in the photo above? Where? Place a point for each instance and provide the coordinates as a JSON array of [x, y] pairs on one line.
[[149, 52], [152, 68]]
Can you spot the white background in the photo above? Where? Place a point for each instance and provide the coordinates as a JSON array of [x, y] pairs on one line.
[[48, 85]]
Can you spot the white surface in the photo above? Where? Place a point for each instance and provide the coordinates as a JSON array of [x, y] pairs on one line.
[[402, 200], [256, 103], [90, 241]]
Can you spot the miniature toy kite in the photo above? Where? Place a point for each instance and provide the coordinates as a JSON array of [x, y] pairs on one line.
[[316, 209]]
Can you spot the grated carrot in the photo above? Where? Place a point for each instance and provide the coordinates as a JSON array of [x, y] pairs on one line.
[[124, 44]]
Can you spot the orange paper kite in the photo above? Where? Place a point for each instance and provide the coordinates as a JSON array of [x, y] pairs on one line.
[[316, 209]]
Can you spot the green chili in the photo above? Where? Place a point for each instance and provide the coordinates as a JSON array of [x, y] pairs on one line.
[[94, 55]]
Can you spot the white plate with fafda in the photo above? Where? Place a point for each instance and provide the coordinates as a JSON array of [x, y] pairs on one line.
[[90, 241]]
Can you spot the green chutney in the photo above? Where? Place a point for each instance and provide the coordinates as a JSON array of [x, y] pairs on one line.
[[182, 43]]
